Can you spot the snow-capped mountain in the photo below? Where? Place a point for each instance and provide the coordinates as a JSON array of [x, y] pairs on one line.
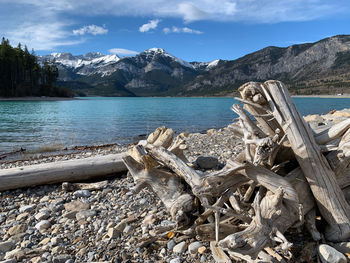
[[90, 63], [152, 71]]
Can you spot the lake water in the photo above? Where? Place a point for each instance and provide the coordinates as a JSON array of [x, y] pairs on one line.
[[90, 121]]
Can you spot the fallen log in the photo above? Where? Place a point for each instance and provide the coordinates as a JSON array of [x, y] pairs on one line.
[[62, 171]]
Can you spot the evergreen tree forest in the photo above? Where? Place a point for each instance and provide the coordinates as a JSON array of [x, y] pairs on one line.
[[21, 74]]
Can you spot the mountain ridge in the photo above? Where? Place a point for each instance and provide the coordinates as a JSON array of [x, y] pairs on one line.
[[319, 67]]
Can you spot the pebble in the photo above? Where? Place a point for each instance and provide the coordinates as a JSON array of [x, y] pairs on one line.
[[194, 246], [207, 162], [27, 208], [61, 258], [80, 222], [6, 246], [42, 215], [171, 244], [329, 254], [43, 225], [76, 205], [85, 214], [180, 248], [17, 229], [82, 193]]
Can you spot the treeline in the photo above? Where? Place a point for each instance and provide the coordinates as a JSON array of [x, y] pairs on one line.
[[21, 74]]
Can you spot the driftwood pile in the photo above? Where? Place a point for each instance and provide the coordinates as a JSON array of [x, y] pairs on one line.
[[285, 175]]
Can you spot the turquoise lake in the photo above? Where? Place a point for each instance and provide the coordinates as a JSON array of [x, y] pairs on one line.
[[91, 121]]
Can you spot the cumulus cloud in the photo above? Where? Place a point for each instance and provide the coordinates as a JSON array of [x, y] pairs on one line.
[[91, 29], [123, 51], [187, 30], [152, 24]]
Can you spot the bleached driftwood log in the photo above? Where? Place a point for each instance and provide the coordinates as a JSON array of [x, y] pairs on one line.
[[329, 197], [282, 169], [73, 170]]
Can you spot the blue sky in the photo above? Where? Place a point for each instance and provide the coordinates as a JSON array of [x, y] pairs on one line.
[[194, 30]]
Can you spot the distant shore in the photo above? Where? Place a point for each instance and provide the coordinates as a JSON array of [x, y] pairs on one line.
[[35, 98], [345, 96]]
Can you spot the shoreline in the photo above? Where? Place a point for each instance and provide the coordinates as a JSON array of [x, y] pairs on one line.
[[345, 96], [44, 98]]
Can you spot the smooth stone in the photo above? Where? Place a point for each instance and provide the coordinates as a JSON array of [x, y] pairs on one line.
[[43, 225], [42, 215], [56, 240], [329, 254], [61, 258], [85, 214], [45, 241], [57, 250], [180, 248], [82, 193], [27, 208], [207, 162], [70, 215], [76, 206], [22, 216], [127, 230], [6, 246], [194, 246], [18, 252], [171, 244], [175, 260], [202, 249], [17, 229]]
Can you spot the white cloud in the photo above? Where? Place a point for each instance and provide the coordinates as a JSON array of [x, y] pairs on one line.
[[46, 24], [41, 36], [122, 51], [91, 29], [187, 30], [152, 24], [192, 13]]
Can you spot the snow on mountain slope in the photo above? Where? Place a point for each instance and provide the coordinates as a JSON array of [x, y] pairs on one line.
[[93, 62], [162, 52]]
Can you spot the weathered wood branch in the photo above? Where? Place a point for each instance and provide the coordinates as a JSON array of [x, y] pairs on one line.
[[321, 178], [73, 170]]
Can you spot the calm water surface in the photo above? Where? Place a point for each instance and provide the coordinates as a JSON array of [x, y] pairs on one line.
[[39, 124]]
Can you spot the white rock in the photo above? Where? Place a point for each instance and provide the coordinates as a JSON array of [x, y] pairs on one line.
[[175, 260], [43, 225], [180, 248], [193, 247], [42, 215], [85, 214], [27, 208], [329, 254], [82, 193]]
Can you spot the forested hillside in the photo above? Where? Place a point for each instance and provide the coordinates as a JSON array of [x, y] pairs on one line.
[[21, 74]]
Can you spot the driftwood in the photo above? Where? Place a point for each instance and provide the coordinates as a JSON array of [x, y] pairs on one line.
[[285, 174], [62, 171]]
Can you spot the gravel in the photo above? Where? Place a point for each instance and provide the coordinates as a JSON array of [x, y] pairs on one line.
[[46, 224]]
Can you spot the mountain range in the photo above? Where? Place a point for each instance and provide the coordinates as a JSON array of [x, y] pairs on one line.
[[322, 67]]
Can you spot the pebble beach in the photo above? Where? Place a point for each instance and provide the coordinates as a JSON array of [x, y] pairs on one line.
[[111, 224]]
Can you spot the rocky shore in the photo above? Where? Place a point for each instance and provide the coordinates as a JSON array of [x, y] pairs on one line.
[[112, 224]]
